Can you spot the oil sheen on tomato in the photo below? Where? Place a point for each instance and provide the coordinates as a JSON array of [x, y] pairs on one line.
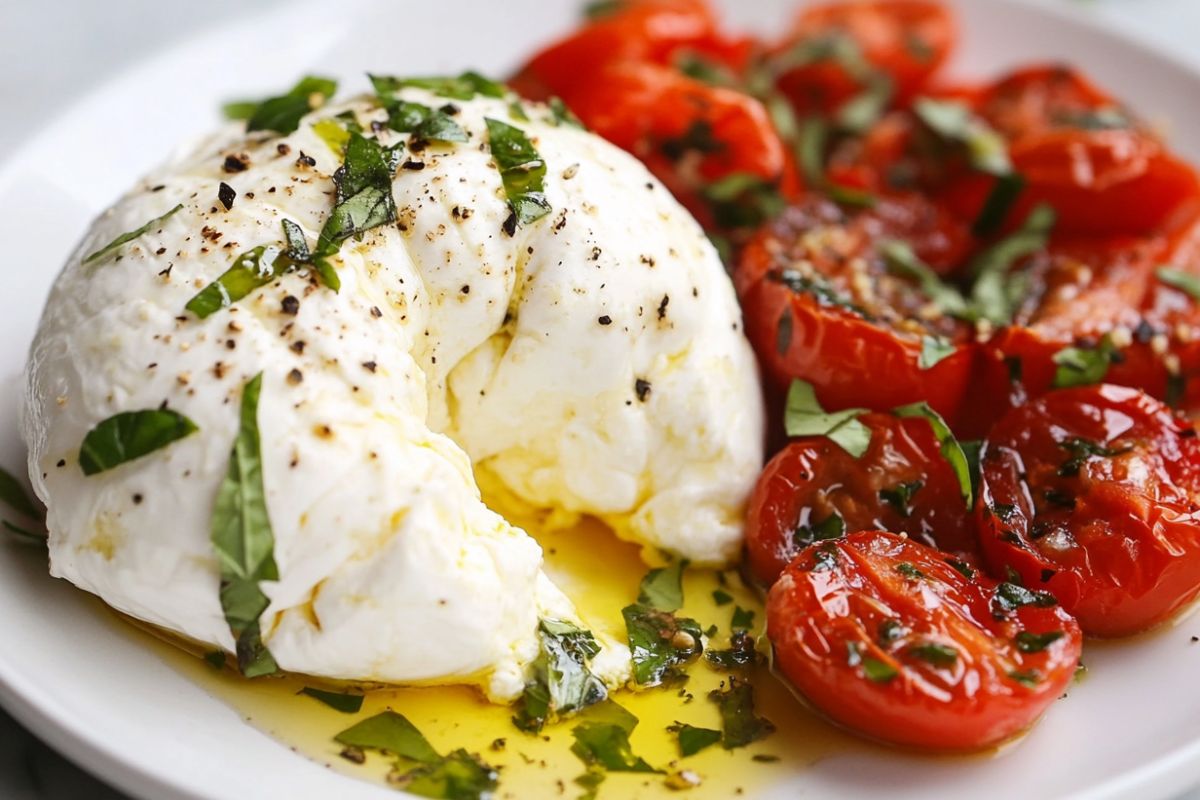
[[536, 766]]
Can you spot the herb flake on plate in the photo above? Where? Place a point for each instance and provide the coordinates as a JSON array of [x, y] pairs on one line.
[[130, 435]]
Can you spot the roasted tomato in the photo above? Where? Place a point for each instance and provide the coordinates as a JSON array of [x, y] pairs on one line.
[[885, 637], [634, 30], [821, 306], [1047, 97], [815, 490], [688, 133], [838, 48], [1092, 494]]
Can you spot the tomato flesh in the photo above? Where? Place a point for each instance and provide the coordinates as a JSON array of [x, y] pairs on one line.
[[883, 636], [1092, 494]]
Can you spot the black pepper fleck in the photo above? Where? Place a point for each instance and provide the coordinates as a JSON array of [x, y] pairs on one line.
[[237, 163], [605, 320], [510, 224], [295, 376], [305, 160], [413, 166], [226, 194], [290, 305], [369, 366], [642, 388], [662, 306]]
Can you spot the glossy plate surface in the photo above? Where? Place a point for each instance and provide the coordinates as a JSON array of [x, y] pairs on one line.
[[68, 672]]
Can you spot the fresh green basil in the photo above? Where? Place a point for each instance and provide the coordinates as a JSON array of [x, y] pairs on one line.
[[740, 725], [939, 655], [338, 701], [692, 739], [420, 120], [562, 683], [243, 540], [125, 238], [1029, 677], [1000, 201], [860, 113], [250, 271], [1084, 366], [457, 776], [950, 448], [282, 114], [955, 123], [819, 288], [741, 653], [662, 589], [607, 746], [873, 669], [721, 597], [130, 435], [1179, 279], [1010, 596], [901, 495], [742, 619], [13, 495], [832, 527], [901, 260], [910, 572], [997, 288], [522, 172], [1036, 642], [1080, 450], [934, 349], [463, 87], [391, 733], [659, 642], [804, 416]]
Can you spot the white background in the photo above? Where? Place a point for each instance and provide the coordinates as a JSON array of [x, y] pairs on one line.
[[54, 51]]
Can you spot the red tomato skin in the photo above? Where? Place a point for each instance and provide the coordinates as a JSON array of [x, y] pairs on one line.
[[813, 616], [1037, 98], [813, 476], [1134, 557]]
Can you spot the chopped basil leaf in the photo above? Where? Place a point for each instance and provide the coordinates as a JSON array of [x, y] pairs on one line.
[[742, 620], [562, 682], [824, 559], [1036, 642], [1083, 366], [590, 781], [457, 776], [283, 114], [659, 642], [239, 109], [1176, 389], [858, 114], [901, 260], [999, 202], [251, 270], [972, 449], [662, 589], [954, 122], [125, 238], [243, 540], [607, 746], [391, 733], [805, 417], [338, 701], [721, 598], [962, 567], [997, 289], [909, 571], [131, 435], [889, 631], [561, 115], [933, 350], [832, 527], [598, 9], [1181, 280], [421, 121], [692, 739], [363, 201], [740, 726], [13, 495], [873, 669], [810, 149], [819, 288], [1099, 119], [853, 198], [517, 111], [521, 169], [24, 534], [1010, 596], [1081, 450], [297, 243], [743, 200], [939, 655], [950, 448], [1030, 678], [741, 653], [900, 496], [839, 48], [464, 87]]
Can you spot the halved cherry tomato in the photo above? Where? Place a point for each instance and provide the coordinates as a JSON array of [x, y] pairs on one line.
[[815, 490], [1044, 97], [885, 637], [688, 133], [907, 40], [820, 306], [1094, 495], [637, 30]]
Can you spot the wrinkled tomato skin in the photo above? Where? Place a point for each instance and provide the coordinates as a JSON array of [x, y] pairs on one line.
[[642, 30], [1038, 98], [812, 478], [851, 362], [838, 595], [908, 40], [1116, 536]]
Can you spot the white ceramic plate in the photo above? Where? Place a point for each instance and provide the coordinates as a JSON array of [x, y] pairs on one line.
[[1132, 727]]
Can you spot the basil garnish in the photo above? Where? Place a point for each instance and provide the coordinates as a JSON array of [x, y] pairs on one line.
[[950, 448], [742, 619], [739, 724], [805, 417], [1081, 450], [243, 540], [562, 682], [997, 289], [873, 669], [125, 238], [659, 642], [999, 202], [900, 496], [1178, 279], [806, 533], [131, 435], [662, 589], [338, 701], [1083, 366], [1036, 642], [391, 733], [933, 350], [1030, 677], [901, 260], [741, 653], [464, 87], [420, 120], [1011, 596], [939, 655], [954, 122], [251, 270], [522, 171], [692, 739], [607, 746], [282, 114], [743, 199]]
